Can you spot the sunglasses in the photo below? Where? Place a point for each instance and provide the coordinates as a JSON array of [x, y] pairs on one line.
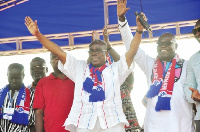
[[195, 30]]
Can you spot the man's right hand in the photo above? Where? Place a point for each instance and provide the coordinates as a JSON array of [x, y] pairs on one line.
[[32, 26], [121, 9], [139, 25], [195, 94]]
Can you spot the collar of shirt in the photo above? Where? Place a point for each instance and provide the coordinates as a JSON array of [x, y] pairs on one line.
[[53, 77]]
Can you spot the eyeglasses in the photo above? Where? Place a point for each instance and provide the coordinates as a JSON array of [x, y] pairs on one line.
[[96, 51], [166, 43], [195, 30], [38, 67]]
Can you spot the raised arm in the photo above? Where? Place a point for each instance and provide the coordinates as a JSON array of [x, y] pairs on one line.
[[135, 42], [51, 46], [111, 51], [124, 28]]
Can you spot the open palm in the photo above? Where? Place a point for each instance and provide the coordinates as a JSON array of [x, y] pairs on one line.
[[31, 25], [121, 8]]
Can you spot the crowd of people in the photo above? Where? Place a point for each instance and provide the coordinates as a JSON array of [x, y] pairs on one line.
[[94, 95]]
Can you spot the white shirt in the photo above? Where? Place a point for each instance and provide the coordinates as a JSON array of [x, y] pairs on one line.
[[180, 117], [83, 113]]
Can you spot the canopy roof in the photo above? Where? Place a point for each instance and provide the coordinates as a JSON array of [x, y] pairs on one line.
[[70, 23]]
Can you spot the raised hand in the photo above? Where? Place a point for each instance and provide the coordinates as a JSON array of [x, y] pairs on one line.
[[121, 9], [195, 94], [95, 35], [106, 37], [139, 25], [105, 34], [31, 25]]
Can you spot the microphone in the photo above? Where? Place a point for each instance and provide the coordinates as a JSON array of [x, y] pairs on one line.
[[144, 23]]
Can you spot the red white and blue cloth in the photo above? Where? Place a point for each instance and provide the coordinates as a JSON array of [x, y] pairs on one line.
[[93, 83], [22, 108], [163, 83]]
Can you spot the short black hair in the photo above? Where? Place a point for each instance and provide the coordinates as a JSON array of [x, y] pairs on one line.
[[16, 65], [173, 37], [38, 59]]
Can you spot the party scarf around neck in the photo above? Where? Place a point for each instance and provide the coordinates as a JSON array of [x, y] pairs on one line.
[[93, 84], [109, 59], [22, 108], [162, 84]]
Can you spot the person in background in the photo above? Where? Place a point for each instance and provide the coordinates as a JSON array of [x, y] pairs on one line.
[[38, 70], [53, 99], [167, 109], [192, 83], [15, 102]]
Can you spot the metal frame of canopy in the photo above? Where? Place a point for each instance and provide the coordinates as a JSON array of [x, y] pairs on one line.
[[5, 4]]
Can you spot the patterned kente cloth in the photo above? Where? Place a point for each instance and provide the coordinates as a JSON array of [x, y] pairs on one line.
[[128, 108]]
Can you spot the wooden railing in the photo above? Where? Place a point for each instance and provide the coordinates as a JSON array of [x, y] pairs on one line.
[[112, 29]]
